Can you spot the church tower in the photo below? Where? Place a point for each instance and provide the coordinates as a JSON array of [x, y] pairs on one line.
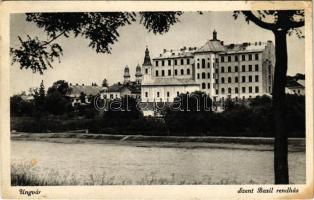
[[126, 75], [147, 67], [138, 74]]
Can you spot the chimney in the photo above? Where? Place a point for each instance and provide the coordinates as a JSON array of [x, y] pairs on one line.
[[165, 50], [214, 35], [260, 43], [222, 42], [82, 84], [70, 84], [76, 84]]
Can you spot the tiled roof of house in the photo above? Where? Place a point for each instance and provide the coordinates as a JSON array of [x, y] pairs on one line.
[[75, 90], [170, 82], [132, 86], [211, 46], [293, 84]]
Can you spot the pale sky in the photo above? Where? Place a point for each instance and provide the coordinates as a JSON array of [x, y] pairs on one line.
[[81, 64]]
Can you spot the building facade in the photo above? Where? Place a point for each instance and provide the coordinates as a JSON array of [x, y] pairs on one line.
[[233, 71]]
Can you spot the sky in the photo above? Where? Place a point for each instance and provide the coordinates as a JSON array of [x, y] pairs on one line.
[[81, 64]]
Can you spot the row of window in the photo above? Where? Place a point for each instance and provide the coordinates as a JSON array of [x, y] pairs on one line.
[[236, 58], [158, 94], [169, 62], [236, 90], [236, 79], [188, 72], [236, 68]]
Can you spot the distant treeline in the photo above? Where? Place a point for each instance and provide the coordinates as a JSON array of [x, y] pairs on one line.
[[252, 118]]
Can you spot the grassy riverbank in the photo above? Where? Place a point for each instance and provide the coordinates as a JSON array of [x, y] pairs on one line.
[[24, 174]]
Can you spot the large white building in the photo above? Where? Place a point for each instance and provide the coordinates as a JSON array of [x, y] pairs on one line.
[[234, 71]]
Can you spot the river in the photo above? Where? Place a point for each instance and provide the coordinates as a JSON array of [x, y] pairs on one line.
[[127, 163]]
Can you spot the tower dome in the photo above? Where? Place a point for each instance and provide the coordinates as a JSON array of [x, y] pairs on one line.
[[138, 74], [126, 75]]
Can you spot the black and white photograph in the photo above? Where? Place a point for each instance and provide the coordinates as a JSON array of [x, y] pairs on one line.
[[167, 97]]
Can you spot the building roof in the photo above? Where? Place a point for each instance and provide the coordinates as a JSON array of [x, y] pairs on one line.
[[293, 84], [27, 97], [171, 82], [211, 46], [75, 90], [134, 87], [177, 53]]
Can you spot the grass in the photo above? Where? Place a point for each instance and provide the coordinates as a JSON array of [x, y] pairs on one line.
[[26, 174]]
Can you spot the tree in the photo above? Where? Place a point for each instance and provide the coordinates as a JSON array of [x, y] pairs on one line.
[[61, 86], [100, 28], [283, 22]]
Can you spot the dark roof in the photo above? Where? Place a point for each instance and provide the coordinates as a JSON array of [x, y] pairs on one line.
[[147, 61], [75, 90], [132, 86], [293, 83], [211, 46]]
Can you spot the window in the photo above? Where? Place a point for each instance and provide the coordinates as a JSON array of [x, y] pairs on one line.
[[256, 56], [222, 59], [208, 85], [243, 79], [217, 91], [198, 65], [222, 90], [182, 72], [175, 62], [188, 71], [236, 79], [243, 57], [203, 63], [203, 86], [250, 79], [169, 72], [256, 89], [229, 90], [156, 72], [243, 68], [157, 63], [208, 75], [157, 94], [236, 69], [168, 94], [256, 78], [198, 76], [146, 71], [216, 71], [250, 89], [236, 90], [208, 65], [175, 72], [163, 63], [256, 67], [146, 94], [188, 61], [203, 75], [222, 69], [162, 72], [229, 69], [169, 62], [250, 68], [182, 61], [222, 80], [229, 58], [250, 56], [229, 79], [243, 89], [236, 58]]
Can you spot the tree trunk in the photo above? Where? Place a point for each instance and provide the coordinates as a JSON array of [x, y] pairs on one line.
[[279, 108]]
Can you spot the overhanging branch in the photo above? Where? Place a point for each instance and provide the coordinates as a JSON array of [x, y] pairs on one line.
[[250, 16]]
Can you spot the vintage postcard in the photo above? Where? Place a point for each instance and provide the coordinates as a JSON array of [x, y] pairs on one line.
[[156, 100]]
